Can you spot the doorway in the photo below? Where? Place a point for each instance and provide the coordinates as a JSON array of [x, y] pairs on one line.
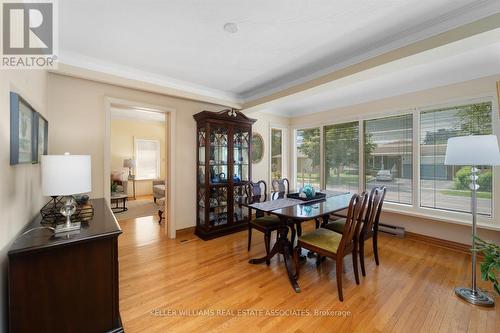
[[138, 163]]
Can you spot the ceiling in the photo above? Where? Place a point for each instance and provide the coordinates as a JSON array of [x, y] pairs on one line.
[[468, 59], [182, 43]]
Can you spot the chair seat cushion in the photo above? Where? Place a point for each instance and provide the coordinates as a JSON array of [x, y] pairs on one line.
[[267, 221], [322, 238], [159, 189], [337, 225]]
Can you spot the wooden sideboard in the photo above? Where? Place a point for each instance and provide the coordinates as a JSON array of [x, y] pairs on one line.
[[66, 283]]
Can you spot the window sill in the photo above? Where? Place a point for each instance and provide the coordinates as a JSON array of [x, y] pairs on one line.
[[441, 216]]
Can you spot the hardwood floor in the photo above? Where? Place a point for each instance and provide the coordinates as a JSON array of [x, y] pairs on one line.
[[411, 290]]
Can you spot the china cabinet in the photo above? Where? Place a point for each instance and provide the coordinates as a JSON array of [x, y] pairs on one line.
[[223, 166]]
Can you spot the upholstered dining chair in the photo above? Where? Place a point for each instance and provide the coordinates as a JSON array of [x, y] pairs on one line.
[[262, 222], [280, 187], [370, 224], [328, 243]]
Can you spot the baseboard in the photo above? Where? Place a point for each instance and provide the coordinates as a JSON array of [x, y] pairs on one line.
[[450, 245], [186, 230]]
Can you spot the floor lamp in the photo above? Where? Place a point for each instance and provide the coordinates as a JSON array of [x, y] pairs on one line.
[[473, 150]]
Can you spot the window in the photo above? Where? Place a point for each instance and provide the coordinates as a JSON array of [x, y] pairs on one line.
[[389, 156], [341, 144], [308, 157], [329, 157], [276, 153], [444, 186], [147, 155]]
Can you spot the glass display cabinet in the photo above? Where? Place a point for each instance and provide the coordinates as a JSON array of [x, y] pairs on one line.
[[223, 169]]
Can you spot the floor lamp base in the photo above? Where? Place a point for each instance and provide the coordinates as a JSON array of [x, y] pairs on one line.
[[474, 297]]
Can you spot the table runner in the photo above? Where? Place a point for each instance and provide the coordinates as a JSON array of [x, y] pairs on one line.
[[276, 204]]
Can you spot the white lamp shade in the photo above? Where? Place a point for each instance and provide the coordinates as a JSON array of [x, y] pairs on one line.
[[129, 163], [66, 174], [472, 150]]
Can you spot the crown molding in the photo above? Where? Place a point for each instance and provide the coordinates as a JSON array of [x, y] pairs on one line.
[[72, 64]]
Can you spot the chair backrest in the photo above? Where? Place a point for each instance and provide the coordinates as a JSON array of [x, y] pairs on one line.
[[281, 185], [372, 217], [354, 219], [257, 189], [256, 192]]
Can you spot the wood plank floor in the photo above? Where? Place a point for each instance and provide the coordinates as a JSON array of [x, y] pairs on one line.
[[411, 291]]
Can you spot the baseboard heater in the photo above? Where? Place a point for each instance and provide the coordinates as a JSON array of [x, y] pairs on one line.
[[392, 230]]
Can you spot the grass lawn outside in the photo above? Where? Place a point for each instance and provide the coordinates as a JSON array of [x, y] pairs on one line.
[[465, 193]]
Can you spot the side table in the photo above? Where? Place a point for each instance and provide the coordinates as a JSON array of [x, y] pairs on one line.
[[116, 199]]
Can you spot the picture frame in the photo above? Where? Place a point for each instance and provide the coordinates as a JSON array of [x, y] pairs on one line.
[[22, 130], [498, 96], [28, 132], [41, 139], [257, 147]]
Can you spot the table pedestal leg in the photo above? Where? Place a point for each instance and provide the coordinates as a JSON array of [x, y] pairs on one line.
[[282, 246]]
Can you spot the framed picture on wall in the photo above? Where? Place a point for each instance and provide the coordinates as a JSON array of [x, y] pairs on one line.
[[42, 126], [498, 96], [22, 130]]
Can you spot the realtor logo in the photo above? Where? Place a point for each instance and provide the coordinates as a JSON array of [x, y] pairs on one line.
[[28, 35]]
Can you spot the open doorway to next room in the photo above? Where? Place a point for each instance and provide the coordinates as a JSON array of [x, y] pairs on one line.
[[138, 167]]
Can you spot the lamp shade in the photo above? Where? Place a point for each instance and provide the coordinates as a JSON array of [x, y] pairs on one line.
[[129, 163], [66, 174], [472, 150]]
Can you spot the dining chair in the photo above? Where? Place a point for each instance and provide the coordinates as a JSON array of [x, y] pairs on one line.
[[263, 222], [280, 187], [370, 224], [328, 243]]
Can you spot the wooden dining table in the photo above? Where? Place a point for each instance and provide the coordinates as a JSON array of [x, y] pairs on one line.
[[291, 213]]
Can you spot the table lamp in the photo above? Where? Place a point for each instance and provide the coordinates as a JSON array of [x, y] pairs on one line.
[[66, 175], [130, 164], [472, 151]]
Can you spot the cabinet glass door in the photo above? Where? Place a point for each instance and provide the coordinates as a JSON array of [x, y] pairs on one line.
[[218, 165], [201, 155], [218, 213], [218, 155], [241, 144]]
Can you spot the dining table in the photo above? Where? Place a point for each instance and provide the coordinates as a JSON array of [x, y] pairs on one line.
[[292, 212]]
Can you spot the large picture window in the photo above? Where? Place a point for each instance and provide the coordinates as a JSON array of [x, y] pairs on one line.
[[147, 154], [447, 187], [341, 145], [276, 153], [388, 153], [308, 157], [329, 156]]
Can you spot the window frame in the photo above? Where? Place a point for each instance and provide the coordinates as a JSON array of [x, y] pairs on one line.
[[283, 150], [495, 130], [293, 182], [413, 209], [360, 152], [158, 159], [397, 113]]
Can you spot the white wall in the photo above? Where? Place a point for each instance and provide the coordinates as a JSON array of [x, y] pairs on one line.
[[20, 185], [263, 125]]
